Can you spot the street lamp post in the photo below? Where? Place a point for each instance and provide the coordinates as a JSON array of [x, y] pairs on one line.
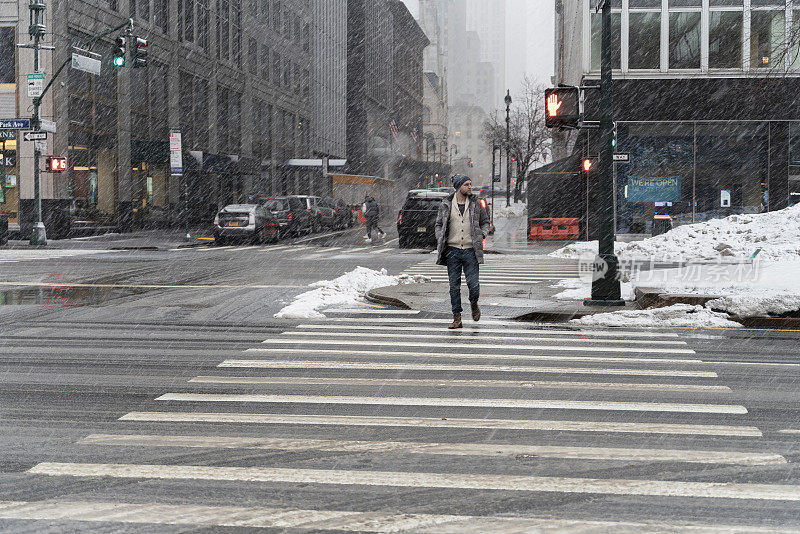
[[495, 152], [508, 147], [37, 31], [605, 282]]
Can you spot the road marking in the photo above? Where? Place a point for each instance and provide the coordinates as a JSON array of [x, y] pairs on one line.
[[451, 402], [381, 250], [452, 345], [143, 286], [210, 248], [438, 422], [334, 364], [436, 382], [476, 329], [466, 355], [276, 248], [382, 311], [334, 520], [789, 431], [454, 449], [470, 335], [653, 488]]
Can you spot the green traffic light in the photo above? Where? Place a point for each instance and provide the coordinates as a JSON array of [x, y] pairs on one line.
[[119, 61]]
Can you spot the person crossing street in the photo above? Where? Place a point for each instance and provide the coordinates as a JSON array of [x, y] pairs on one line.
[[372, 214], [461, 226]]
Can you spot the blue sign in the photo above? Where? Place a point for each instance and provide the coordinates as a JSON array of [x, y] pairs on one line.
[[15, 124], [644, 189]]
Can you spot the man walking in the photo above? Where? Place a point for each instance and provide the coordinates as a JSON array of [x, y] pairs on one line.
[[372, 214], [461, 226]]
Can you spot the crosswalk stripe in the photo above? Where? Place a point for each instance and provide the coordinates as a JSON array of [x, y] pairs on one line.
[[382, 250], [365, 310], [210, 248], [337, 364], [471, 335], [451, 345], [274, 249], [540, 404], [480, 329], [431, 382], [467, 355], [437, 422], [499, 279], [455, 449], [611, 486], [336, 520]]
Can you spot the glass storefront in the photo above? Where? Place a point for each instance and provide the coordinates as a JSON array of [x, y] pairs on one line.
[[696, 171]]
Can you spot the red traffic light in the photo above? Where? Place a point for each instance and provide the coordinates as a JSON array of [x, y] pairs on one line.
[[471, 163], [55, 164], [587, 165]]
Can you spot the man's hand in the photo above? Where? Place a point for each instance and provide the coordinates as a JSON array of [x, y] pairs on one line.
[[552, 105]]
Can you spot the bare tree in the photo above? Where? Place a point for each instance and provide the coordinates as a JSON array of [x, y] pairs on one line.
[[529, 140]]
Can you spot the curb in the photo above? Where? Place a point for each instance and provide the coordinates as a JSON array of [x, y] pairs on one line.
[[377, 298]]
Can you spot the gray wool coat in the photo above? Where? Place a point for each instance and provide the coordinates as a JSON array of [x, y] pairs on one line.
[[479, 223]]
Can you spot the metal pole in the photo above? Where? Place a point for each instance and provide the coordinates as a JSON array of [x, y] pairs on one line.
[[186, 203], [606, 286], [508, 147], [491, 188], [38, 233]]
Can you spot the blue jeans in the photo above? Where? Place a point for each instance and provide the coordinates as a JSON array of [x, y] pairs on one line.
[[458, 259]]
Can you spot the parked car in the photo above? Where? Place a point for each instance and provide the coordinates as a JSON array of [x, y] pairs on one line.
[[240, 222], [343, 213], [416, 221], [290, 212], [320, 214]]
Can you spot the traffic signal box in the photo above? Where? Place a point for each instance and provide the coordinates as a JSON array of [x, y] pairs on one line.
[[562, 107], [119, 51], [139, 52], [56, 164]]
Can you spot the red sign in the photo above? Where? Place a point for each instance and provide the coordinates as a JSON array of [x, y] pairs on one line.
[[55, 164]]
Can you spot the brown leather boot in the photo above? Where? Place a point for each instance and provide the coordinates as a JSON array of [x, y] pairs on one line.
[[476, 311], [456, 322]]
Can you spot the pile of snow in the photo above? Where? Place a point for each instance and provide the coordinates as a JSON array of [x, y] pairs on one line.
[[776, 233], [579, 289], [346, 289], [517, 209], [678, 315], [747, 290]]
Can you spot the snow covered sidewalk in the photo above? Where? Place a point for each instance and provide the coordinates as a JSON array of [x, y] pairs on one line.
[[346, 289]]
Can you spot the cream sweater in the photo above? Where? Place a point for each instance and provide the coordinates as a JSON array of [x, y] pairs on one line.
[[459, 234]]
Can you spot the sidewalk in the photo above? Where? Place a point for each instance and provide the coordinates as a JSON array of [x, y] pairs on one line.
[[161, 239]]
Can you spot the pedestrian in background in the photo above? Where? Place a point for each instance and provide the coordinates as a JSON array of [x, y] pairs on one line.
[[461, 226], [372, 214]]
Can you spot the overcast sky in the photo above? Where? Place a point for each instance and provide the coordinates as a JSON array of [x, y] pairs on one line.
[[539, 17]]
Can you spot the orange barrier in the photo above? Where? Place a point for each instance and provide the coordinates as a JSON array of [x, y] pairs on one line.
[[554, 229]]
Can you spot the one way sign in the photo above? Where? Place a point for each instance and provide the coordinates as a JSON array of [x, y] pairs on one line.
[[34, 136]]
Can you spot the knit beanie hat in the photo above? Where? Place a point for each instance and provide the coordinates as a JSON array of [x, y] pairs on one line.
[[458, 180]]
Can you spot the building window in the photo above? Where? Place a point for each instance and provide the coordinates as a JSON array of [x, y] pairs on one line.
[[265, 10], [252, 52], [188, 20], [223, 117], [794, 49], [234, 120], [725, 40], [8, 55], [766, 38], [236, 33], [144, 9], [644, 50], [616, 28], [266, 57], [161, 15], [277, 69], [276, 17], [684, 40], [223, 29]]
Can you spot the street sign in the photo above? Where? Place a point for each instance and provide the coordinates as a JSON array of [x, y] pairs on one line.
[[621, 156], [175, 152], [47, 126], [15, 124], [33, 136], [86, 63], [35, 84], [8, 135], [11, 180], [496, 179], [41, 146]]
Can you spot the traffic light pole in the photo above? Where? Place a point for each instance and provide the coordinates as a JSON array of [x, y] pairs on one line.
[[605, 285], [37, 31]]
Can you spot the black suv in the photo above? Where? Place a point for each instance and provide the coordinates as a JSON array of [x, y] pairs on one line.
[[290, 212], [416, 222]]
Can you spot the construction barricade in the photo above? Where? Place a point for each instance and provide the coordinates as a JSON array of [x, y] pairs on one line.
[[564, 228]]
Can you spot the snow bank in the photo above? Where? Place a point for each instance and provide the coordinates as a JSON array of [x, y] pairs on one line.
[[748, 290], [776, 233], [346, 289], [680, 315], [578, 289], [517, 209]]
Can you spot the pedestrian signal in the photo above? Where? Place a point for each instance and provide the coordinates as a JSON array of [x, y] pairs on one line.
[[562, 109], [587, 165], [54, 164]]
